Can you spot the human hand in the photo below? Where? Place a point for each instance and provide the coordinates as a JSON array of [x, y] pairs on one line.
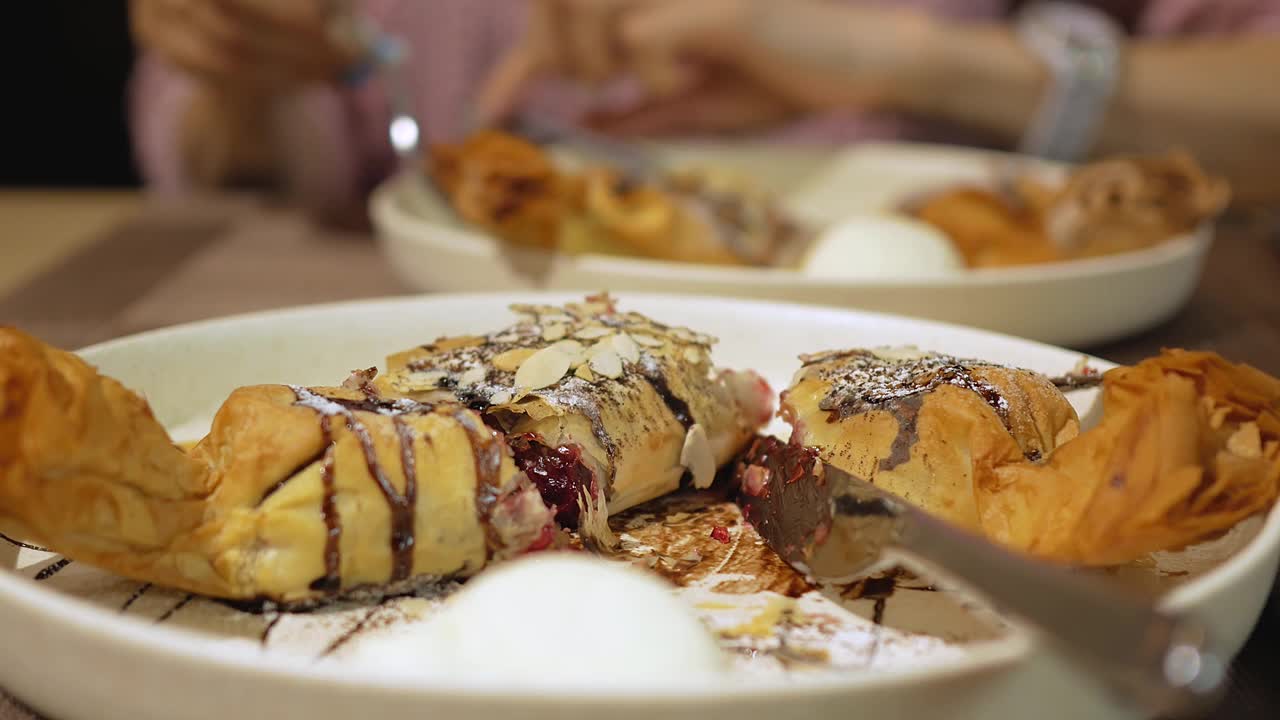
[[247, 46], [717, 65]]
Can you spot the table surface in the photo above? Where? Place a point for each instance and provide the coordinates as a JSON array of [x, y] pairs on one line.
[[81, 267]]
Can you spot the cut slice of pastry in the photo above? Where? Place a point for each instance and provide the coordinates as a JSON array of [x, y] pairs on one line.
[[296, 493], [918, 424], [1188, 445], [594, 399]]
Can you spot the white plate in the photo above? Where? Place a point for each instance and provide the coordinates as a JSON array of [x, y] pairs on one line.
[[70, 652], [1076, 304]]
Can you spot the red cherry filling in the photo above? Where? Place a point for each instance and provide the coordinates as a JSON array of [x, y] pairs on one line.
[[557, 472]]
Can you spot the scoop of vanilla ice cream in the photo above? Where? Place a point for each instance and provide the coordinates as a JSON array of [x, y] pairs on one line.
[[876, 245], [555, 619]]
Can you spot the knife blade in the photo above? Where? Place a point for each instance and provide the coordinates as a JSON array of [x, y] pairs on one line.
[[833, 527]]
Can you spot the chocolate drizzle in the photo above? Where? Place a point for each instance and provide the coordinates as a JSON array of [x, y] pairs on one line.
[[176, 607], [53, 569], [403, 506], [332, 579], [679, 408], [486, 452], [142, 590]]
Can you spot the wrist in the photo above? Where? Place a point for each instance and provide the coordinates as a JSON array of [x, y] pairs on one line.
[[975, 74]]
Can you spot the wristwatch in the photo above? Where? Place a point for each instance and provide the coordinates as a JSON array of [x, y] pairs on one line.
[[1081, 48]]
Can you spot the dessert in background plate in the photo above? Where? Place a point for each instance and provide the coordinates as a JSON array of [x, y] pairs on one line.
[[1109, 206], [518, 191]]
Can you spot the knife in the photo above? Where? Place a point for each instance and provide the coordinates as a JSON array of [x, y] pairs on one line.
[[833, 527]]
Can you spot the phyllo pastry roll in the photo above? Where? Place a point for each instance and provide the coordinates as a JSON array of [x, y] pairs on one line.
[[296, 493]]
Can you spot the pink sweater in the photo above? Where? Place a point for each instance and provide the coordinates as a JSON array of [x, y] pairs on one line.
[[453, 45]]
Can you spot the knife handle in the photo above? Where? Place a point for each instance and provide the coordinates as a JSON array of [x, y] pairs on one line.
[[1163, 662]]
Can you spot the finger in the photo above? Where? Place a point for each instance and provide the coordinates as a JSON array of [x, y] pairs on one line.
[[676, 27], [660, 38], [504, 87], [705, 110], [591, 51], [537, 53], [296, 34], [181, 33]]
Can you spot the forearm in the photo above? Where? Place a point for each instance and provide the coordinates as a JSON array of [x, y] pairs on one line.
[[1207, 95]]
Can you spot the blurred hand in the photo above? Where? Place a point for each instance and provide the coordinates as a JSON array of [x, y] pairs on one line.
[[716, 65], [250, 46]]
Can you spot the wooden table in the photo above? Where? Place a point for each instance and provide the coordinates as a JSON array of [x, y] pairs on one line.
[[78, 268]]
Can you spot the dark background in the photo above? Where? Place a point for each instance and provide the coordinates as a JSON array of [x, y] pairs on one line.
[[63, 121]]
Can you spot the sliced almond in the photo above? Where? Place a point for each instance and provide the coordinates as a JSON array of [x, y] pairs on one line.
[[683, 334], [453, 343], [693, 354], [543, 368], [511, 360], [554, 331], [501, 397], [626, 348], [1246, 441], [472, 376], [697, 458], [573, 350], [419, 380], [647, 340], [584, 372], [506, 338], [555, 317], [593, 332], [607, 363]]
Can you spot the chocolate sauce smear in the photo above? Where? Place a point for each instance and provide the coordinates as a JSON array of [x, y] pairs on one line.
[[25, 546], [907, 411], [1077, 381], [51, 570]]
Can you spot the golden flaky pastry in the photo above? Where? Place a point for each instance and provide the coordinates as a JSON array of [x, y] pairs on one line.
[[513, 188], [302, 493], [1188, 446], [295, 493], [921, 425]]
